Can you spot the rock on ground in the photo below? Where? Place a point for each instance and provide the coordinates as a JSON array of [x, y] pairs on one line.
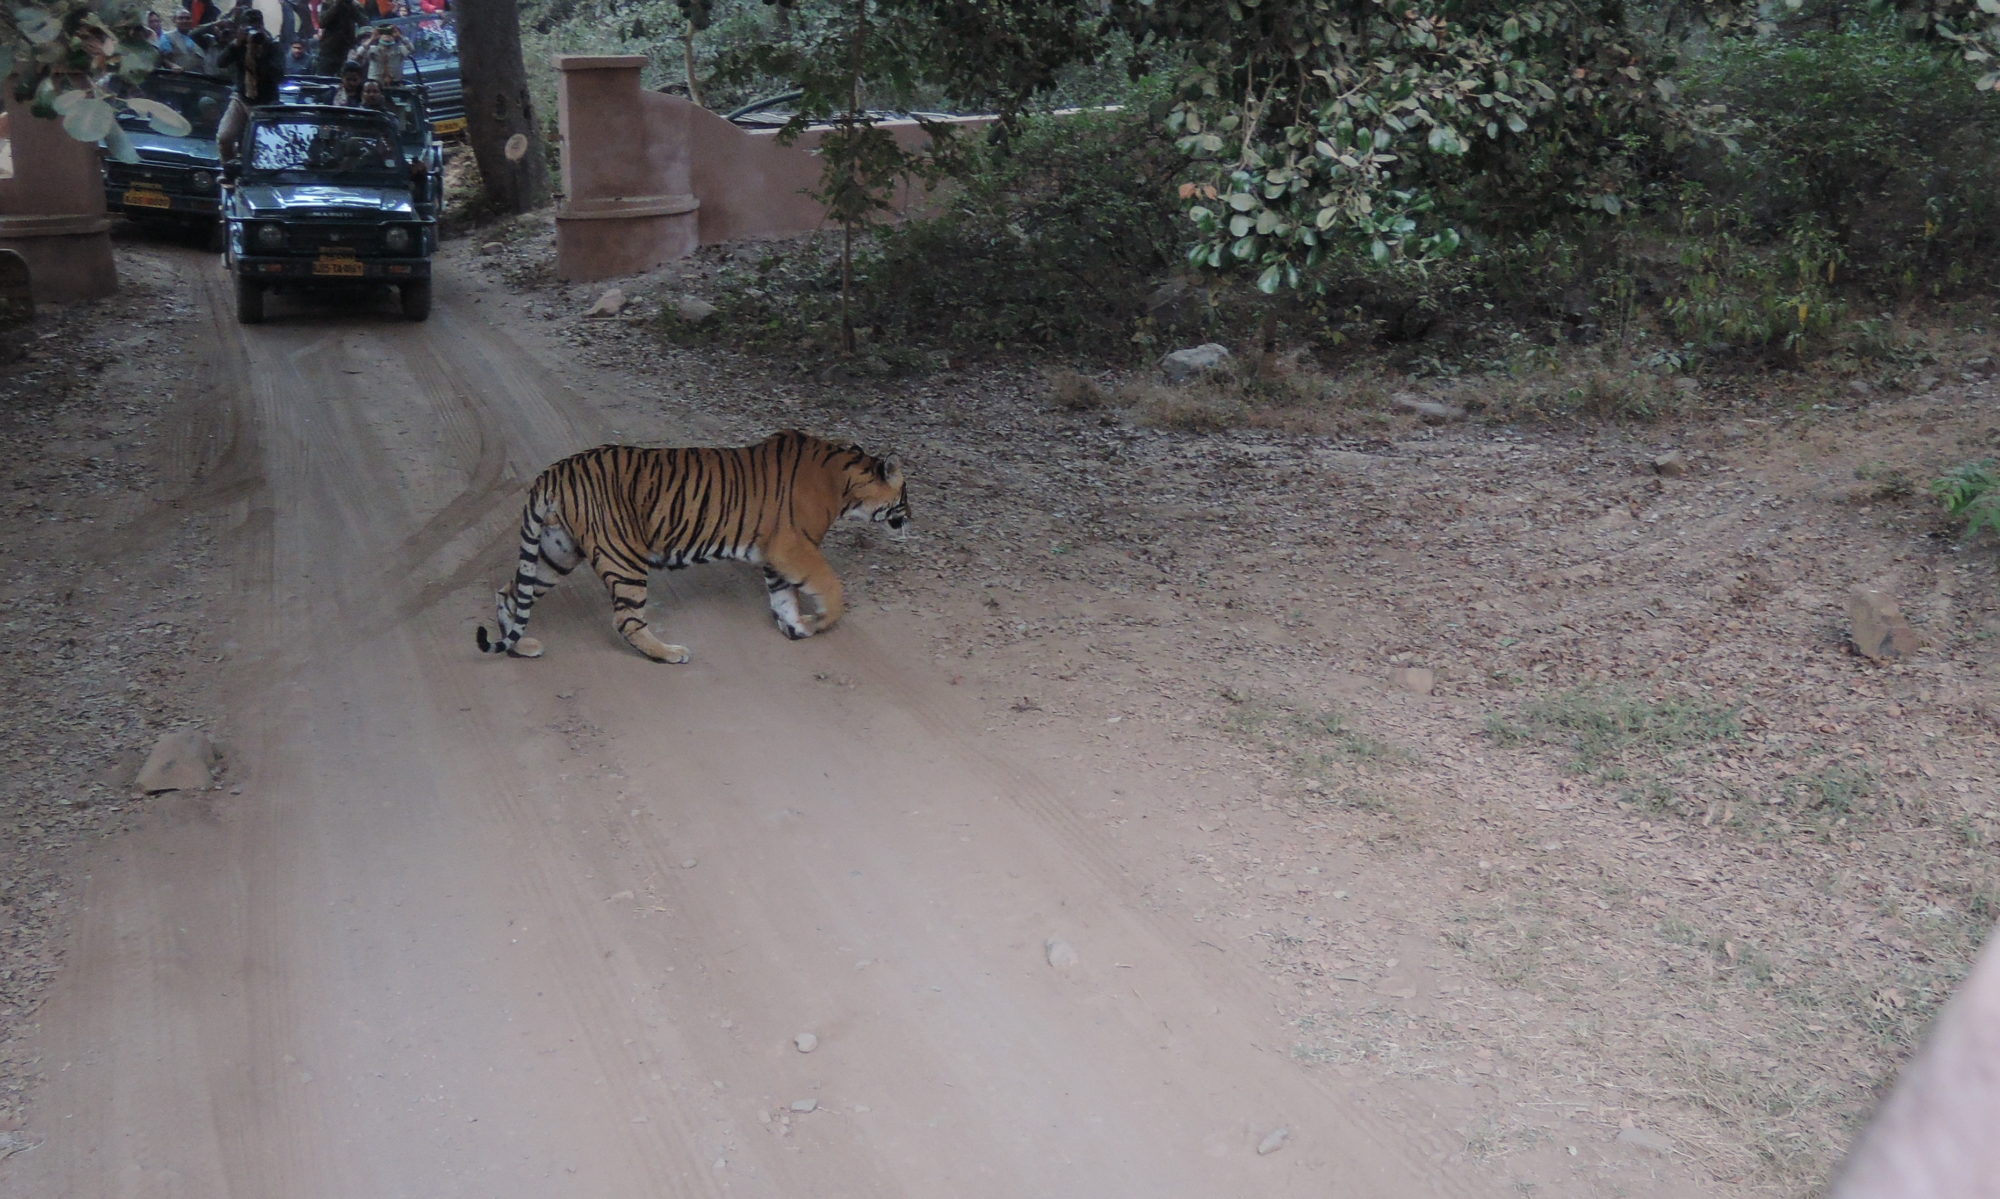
[[1183, 365], [183, 760], [1880, 631]]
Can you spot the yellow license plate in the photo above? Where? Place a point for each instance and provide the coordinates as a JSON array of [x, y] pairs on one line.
[[337, 266], [146, 197], [447, 128]]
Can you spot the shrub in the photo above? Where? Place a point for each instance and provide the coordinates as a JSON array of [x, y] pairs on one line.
[[1971, 493], [1877, 143], [1054, 238]]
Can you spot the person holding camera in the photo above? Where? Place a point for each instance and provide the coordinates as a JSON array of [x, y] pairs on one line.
[[258, 64], [385, 51]]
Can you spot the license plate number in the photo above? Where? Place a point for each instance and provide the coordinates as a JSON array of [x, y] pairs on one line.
[[446, 128], [146, 197], [337, 266]]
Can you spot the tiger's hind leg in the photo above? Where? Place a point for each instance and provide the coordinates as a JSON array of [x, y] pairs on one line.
[[805, 594], [627, 585], [547, 555]]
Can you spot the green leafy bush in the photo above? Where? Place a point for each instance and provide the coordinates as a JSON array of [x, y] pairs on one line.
[[1971, 493]]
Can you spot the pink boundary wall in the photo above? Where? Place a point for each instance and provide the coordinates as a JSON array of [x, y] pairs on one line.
[[648, 178], [52, 211]]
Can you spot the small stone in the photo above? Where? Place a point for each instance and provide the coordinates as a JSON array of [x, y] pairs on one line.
[[183, 760], [693, 311], [1182, 365], [1274, 1141], [1417, 679], [806, 1042], [1880, 632], [1060, 953], [1982, 366], [611, 303], [805, 1105], [1670, 464], [689, 863], [1646, 1139], [492, 247]]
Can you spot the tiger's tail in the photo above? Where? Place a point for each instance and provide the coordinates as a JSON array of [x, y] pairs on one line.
[[548, 552]]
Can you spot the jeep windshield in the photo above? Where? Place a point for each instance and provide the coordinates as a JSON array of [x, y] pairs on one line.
[[196, 97], [324, 147]]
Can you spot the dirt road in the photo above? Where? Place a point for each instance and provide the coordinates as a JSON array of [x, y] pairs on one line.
[[460, 926]]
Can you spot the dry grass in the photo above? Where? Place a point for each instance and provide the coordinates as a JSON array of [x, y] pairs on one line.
[[1285, 393]]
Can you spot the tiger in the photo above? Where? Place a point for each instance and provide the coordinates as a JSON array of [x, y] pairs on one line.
[[627, 510]]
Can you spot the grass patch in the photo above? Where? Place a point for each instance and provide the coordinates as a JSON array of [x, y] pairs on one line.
[[1608, 730], [1840, 788], [1317, 744]]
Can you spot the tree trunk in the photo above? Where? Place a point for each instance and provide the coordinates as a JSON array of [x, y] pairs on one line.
[[499, 114], [687, 54]]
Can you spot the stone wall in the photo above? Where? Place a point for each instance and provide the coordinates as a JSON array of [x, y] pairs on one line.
[[648, 178]]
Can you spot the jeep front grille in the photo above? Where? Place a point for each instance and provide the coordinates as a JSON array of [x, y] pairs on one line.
[[318, 238]]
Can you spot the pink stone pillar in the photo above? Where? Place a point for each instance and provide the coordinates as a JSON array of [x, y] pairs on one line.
[[52, 211], [627, 203]]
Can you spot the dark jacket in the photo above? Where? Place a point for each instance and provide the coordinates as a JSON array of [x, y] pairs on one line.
[[258, 64], [339, 27]]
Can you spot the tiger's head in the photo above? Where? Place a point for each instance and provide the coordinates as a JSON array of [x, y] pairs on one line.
[[875, 492]]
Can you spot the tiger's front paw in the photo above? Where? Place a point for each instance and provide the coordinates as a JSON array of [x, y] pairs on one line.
[[798, 628], [656, 649], [526, 647]]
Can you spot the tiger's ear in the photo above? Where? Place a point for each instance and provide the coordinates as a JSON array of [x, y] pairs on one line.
[[891, 470]]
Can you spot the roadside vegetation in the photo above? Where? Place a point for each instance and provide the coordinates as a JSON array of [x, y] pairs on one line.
[[1616, 217]]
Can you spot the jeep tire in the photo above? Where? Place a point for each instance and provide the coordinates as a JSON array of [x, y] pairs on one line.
[[249, 301], [416, 296]]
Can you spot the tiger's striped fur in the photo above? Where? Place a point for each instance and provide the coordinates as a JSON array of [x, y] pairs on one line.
[[627, 510]]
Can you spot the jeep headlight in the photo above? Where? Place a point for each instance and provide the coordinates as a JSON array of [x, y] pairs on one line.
[[397, 239], [269, 236]]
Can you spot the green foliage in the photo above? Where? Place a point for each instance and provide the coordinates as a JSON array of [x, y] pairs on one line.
[[1336, 124], [65, 58], [1971, 493], [1878, 147], [1735, 291]]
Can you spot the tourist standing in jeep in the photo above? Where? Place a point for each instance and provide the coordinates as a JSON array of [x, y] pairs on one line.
[[340, 24], [259, 66]]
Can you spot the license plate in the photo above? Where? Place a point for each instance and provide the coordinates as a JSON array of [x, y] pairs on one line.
[[338, 266], [146, 197], [447, 128]]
